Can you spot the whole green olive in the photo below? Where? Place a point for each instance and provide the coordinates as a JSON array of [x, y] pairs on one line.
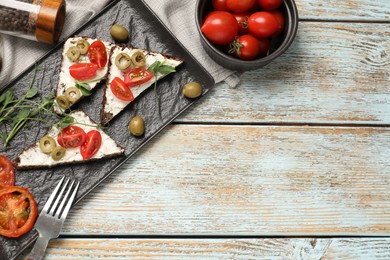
[[137, 126], [192, 90], [119, 33]]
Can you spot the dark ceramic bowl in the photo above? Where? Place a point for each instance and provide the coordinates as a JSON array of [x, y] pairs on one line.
[[278, 46]]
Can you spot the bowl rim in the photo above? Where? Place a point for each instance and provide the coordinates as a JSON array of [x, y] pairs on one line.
[[284, 45]]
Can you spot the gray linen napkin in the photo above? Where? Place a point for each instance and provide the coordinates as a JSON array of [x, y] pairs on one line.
[[178, 16]]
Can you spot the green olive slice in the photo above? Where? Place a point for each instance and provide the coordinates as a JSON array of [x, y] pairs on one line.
[[57, 153], [47, 144], [83, 46], [137, 126], [63, 102], [72, 94], [73, 53], [192, 90], [122, 61], [138, 59]]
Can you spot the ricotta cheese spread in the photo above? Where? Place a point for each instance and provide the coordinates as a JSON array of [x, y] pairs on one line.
[[113, 104], [66, 80], [34, 157]]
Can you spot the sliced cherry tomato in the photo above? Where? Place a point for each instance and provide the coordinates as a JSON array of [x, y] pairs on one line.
[[120, 90], [137, 76], [248, 47], [7, 176], [97, 53], [269, 4], [220, 5], [91, 145], [71, 137], [220, 27], [18, 211], [242, 19], [262, 24], [83, 71], [280, 18], [240, 6]]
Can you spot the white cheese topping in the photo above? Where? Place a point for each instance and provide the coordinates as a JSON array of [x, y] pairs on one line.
[[35, 157], [66, 80], [113, 104]]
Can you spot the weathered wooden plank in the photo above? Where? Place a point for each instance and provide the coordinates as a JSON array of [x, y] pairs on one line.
[[297, 249], [333, 73], [361, 10], [196, 179]]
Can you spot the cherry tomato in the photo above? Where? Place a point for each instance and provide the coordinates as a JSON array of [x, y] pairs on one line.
[[91, 145], [7, 176], [280, 18], [242, 19], [83, 71], [220, 5], [240, 6], [71, 137], [137, 76], [248, 47], [255, 8], [18, 211], [220, 27], [97, 53], [120, 90], [262, 24], [269, 4]]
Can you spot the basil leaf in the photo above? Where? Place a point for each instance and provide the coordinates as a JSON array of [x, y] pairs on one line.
[[23, 114], [9, 96], [166, 69], [154, 67], [32, 92], [65, 122], [84, 88]]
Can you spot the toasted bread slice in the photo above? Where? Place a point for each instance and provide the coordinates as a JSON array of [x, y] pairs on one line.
[[33, 157], [112, 105], [66, 80]]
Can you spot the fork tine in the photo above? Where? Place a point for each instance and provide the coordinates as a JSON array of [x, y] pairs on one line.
[[52, 196], [65, 198], [53, 208], [70, 201]]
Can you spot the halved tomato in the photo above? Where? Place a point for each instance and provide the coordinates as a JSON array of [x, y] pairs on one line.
[[97, 53], [18, 211], [91, 145], [7, 176], [83, 70], [71, 137], [137, 76], [120, 90]]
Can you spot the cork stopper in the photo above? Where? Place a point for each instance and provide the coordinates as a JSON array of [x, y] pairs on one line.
[[50, 21]]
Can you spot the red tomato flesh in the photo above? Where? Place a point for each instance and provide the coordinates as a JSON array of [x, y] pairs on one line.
[[97, 53], [137, 76], [91, 145], [7, 176], [120, 90], [71, 137], [220, 5], [18, 211], [83, 71]]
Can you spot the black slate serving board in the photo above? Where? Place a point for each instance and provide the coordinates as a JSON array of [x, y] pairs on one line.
[[146, 31]]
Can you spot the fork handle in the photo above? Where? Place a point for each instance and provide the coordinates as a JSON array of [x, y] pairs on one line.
[[39, 249]]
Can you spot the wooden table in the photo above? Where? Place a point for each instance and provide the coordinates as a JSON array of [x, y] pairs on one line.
[[292, 164]]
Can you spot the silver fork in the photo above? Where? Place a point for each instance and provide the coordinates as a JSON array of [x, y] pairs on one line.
[[52, 216]]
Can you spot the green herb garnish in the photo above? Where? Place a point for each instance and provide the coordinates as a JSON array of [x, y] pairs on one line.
[[159, 69], [84, 88]]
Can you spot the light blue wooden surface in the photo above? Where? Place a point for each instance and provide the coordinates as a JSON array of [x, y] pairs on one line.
[[302, 147]]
